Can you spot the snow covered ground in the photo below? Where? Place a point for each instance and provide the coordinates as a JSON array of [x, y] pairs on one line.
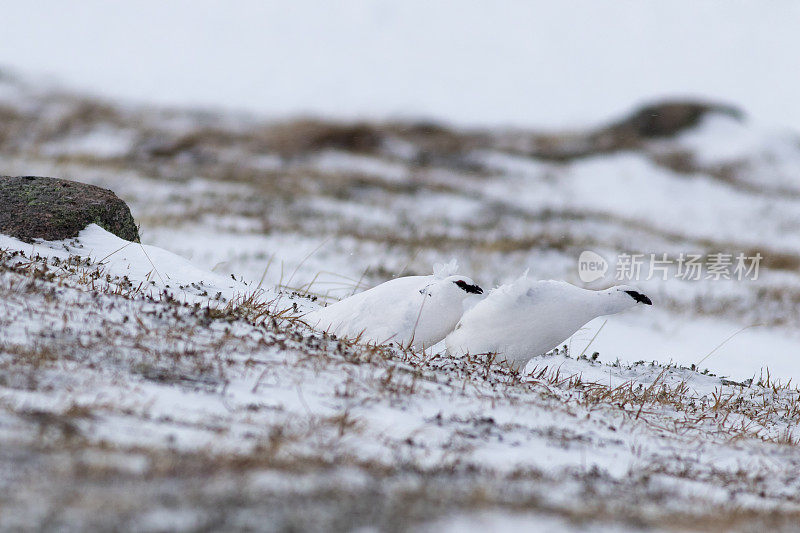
[[127, 402], [168, 394], [249, 199]]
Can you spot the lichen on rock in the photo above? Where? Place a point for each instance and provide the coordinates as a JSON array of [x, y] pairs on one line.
[[33, 207]]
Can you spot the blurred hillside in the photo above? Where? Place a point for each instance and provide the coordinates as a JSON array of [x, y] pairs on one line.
[[369, 200], [527, 64], [120, 410]]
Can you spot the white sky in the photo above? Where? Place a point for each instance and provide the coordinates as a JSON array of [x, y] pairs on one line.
[[532, 63]]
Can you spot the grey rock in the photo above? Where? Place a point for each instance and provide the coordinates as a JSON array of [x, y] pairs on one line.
[[33, 207], [668, 118]]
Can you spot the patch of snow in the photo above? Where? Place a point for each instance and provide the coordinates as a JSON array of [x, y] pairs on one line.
[[739, 352], [332, 161], [101, 143], [140, 263], [516, 522]]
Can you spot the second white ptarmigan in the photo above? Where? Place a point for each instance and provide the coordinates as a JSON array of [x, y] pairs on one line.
[[417, 311], [528, 317]]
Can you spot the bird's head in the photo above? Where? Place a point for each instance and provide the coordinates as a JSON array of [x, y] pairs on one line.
[[451, 288]]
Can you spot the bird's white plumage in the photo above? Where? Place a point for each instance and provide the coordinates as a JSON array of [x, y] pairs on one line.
[[527, 317], [414, 310]]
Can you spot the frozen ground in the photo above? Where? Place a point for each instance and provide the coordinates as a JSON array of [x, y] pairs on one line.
[[129, 399], [140, 391]]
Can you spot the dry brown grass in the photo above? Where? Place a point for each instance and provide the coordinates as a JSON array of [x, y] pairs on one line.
[[168, 344], [730, 413]]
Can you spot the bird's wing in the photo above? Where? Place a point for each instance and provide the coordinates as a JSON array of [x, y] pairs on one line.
[[544, 290], [380, 314]]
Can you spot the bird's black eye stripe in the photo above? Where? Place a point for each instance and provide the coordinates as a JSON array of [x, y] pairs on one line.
[[472, 289], [639, 297]]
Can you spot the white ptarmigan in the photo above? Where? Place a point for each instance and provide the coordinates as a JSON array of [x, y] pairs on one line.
[[527, 317], [416, 311]]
